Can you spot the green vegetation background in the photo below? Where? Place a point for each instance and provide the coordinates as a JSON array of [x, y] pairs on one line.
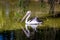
[[16, 13]]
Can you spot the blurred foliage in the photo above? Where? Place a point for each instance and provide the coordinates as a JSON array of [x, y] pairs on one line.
[[24, 4], [12, 21]]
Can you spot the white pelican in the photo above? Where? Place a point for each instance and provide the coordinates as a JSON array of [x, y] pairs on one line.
[[32, 23]]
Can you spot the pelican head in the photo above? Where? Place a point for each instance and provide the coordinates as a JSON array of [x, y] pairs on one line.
[[28, 12]]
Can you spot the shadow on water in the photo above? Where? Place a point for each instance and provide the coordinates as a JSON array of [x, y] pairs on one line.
[[42, 34]]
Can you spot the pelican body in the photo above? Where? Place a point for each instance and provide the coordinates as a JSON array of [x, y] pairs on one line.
[[32, 22]]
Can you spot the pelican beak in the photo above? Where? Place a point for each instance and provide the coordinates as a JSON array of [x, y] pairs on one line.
[[24, 17]]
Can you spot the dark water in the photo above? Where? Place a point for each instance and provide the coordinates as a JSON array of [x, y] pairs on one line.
[[7, 35], [42, 34], [1, 37]]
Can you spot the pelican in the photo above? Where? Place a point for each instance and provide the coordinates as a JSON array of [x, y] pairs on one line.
[[32, 23]]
